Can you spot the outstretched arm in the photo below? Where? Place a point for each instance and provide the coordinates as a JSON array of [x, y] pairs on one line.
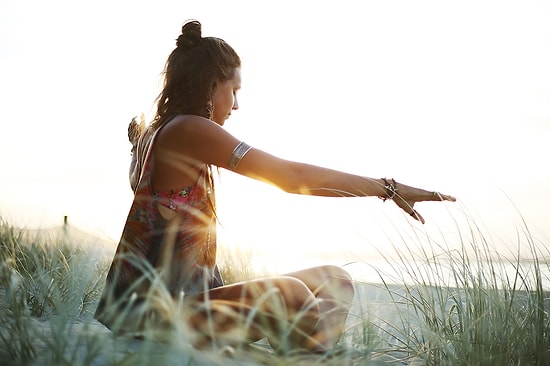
[[309, 179], [204, 141]]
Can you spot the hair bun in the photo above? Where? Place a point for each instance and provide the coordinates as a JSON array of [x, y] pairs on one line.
[[191, 35]]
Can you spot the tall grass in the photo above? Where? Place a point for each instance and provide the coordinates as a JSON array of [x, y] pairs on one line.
[[463, 306], [469, 305], [45, 281]]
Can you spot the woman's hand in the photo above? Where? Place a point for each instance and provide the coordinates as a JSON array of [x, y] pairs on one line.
[[134, 131], [407, 196]]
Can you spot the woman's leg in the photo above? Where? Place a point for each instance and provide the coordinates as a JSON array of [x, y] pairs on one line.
[[333, 288], [283, 309]]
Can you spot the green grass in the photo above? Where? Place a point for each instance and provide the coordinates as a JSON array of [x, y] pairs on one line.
[[469, 309], [466, 306]]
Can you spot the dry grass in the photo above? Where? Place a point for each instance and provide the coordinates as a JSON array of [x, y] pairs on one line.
[[50, 285]]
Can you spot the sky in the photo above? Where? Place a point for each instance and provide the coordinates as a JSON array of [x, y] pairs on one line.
[[447, 96]]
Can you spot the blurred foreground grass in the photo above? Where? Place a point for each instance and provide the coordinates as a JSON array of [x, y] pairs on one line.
[[50, 282]]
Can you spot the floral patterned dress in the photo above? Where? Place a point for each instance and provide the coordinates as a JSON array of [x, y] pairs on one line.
[[181, 251]]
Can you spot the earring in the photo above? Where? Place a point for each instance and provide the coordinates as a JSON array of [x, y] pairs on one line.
[[209, 109]]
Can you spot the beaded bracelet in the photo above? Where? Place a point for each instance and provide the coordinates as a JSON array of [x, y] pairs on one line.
[[391, 189]]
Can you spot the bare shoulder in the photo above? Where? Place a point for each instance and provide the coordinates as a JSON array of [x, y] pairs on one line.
[[198, 138], [187, 124], [191, 130]]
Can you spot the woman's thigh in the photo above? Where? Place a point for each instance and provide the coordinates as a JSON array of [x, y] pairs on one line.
[[292, 289], [257, 307]]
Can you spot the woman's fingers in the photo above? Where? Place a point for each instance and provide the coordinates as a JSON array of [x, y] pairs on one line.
[[407, 201], [134, 131], [436, 196], [408, 206], [417, 216]]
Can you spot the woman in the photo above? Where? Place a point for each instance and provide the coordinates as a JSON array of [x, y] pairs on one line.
[[170, 238]]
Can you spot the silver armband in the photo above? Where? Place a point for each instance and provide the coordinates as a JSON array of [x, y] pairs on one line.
[[238, 154]]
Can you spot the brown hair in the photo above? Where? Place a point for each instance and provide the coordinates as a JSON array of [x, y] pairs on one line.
[[191, 72]]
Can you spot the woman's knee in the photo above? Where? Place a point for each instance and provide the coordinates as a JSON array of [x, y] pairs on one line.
[[341, 278], [300, 316], [296, 293], [329, 280], [335, 272]]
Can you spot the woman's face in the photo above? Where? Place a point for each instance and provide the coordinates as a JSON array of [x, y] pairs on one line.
[[225, 98]]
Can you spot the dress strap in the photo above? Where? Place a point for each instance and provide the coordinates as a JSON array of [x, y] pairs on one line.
[[144, 164]]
